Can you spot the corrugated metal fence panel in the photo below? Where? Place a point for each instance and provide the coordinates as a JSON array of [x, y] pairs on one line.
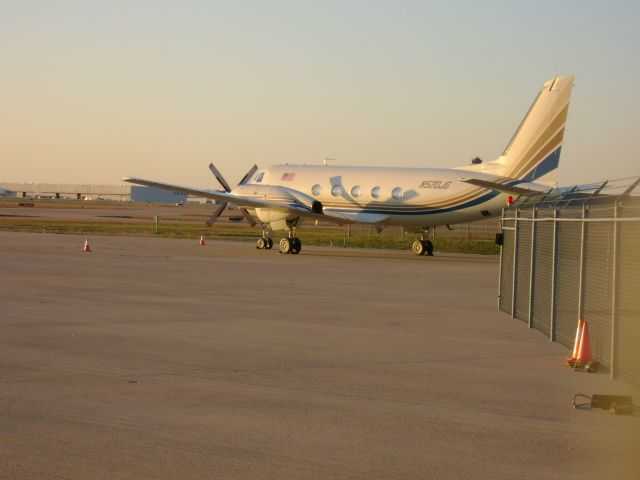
[[523, 268], [598, 281], [628, 296], [597, 272], [506, 277], [568, 276], [543, 268]]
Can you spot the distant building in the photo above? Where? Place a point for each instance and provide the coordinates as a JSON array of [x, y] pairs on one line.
[[156, 195], [125, 193], [67, 190]]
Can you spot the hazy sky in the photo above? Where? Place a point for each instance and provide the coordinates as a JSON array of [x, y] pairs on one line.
[[91, 91]]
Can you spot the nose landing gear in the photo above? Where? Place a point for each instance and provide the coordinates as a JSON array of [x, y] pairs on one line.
[[422, 247], [264, 243]]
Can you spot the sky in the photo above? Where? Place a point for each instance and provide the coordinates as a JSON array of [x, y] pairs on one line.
[[91, 91]]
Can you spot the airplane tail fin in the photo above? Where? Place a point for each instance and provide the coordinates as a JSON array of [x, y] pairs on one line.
[[533, 154]]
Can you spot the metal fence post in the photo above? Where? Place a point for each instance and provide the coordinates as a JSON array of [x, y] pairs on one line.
[[501, 261], [614, 292], [581, 273], [554, 267], [515, 263], [532, 263]]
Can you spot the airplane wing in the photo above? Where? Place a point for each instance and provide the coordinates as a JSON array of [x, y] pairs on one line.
[[214, 194], [250, 202]]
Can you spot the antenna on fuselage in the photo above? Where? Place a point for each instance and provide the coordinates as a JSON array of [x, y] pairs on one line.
[[327, 160]]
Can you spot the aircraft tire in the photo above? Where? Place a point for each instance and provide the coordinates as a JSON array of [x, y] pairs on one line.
[[286, 245], [296, 245], [269, 244], [262, 243], [418, 247], [428, 247]]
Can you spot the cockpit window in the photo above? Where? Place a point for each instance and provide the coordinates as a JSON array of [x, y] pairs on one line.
[[259, 177]]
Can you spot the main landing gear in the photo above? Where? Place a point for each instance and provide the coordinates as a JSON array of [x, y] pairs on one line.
[[422, 246], [291, 244]]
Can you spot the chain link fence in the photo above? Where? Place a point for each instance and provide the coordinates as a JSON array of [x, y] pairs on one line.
[[577, 258]]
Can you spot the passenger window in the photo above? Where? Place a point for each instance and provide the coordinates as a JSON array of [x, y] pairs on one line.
[[376, 192], [316, 190], [397, 193], [336, 190], [356, 191]]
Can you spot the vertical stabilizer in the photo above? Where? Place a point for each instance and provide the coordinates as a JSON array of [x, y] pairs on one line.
[[533, 154]]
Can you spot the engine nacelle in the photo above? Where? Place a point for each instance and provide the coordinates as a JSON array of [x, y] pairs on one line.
[[277, 194], [269, 215]]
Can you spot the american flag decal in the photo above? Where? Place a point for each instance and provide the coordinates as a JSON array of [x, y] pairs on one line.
[[287, 177]]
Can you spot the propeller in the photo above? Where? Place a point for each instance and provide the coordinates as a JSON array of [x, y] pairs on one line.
[[216, 214]]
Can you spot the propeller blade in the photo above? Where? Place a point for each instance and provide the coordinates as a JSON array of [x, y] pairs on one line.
[[216, 173], [219, 177], [247, 216], [248, 175], [211, 220]]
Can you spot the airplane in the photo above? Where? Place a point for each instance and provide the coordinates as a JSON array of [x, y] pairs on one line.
[[281, 196]]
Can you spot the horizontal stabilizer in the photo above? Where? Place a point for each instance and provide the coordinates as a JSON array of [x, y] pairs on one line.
[[499, 187]]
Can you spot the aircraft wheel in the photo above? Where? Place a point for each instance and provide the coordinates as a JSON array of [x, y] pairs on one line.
[[269, 244], [262, 243], [418, 247], [286, 245], [296, 245], [429, 247]]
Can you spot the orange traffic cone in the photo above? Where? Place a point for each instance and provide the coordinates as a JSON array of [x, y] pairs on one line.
[[584, 351], [86, 247], [202, 240], [576, 344]]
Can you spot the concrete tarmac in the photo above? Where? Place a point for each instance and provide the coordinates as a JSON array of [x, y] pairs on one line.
[[158, 358]]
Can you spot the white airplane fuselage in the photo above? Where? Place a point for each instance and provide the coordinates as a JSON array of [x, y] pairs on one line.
[[412, 197]]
